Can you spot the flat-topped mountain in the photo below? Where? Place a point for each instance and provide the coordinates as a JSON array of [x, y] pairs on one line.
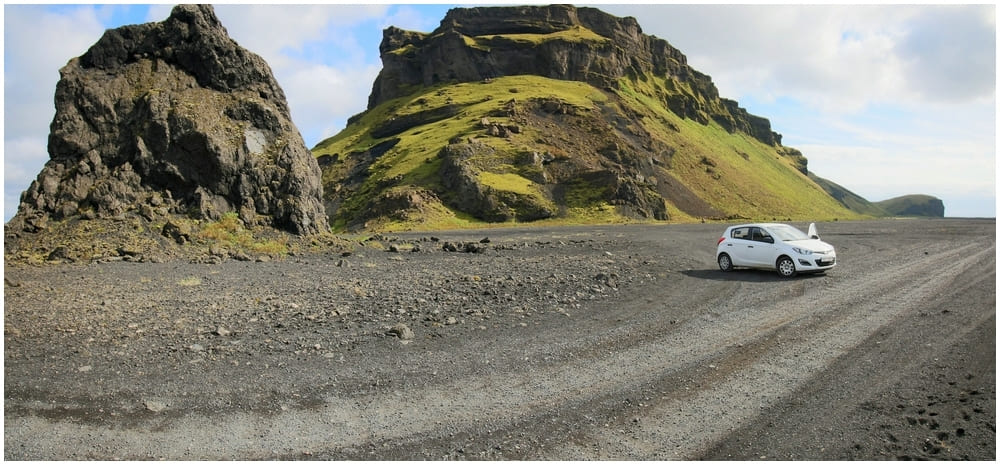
[[913, 205], [557, 42], [528, 113]]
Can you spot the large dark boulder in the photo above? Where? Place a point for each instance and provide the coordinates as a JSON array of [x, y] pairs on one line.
[[174, 118]]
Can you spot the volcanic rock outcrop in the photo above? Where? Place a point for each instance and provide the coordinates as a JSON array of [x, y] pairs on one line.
[[174, 118]]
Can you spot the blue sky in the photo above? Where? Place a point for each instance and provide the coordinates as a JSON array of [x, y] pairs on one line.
[[905, 92]]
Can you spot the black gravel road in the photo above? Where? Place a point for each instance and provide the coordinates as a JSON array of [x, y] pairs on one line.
[[576, 343]]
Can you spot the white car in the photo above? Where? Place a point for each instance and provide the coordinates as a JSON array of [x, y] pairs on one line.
[[774, 246]]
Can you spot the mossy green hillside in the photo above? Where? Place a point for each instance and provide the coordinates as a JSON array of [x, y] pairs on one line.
[[576, 34], [414, 159], [732, 171]]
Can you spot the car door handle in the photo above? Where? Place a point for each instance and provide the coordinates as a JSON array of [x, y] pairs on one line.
[[749, 246]]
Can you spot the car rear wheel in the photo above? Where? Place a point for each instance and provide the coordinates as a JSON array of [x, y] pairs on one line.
[[725, 263], [786, 267]]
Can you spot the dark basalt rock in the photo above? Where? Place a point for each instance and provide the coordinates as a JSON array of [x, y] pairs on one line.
[[174, 118]]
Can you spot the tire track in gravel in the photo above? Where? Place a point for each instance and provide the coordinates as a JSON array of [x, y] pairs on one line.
[[944, 321], [755, 351], [682, 428]]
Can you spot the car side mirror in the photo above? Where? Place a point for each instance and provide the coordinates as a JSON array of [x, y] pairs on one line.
[[812, 231], [769, 240]]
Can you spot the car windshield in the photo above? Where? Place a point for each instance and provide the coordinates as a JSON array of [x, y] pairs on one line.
[[787, 233]]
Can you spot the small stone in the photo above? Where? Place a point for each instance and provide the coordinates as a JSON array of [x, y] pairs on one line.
[[155, 406], [223, 332], [403, 332], [85, 368]]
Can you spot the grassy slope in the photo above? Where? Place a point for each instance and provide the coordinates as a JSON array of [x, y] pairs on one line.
[[733, 172], [847, 198], [415, 157]]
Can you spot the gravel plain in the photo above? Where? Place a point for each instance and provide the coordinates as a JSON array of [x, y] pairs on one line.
[[575, 343]]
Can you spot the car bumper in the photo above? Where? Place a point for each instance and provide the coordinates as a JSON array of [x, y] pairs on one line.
[[816, 263]]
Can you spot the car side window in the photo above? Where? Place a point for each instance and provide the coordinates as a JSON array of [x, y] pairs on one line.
[[741, 233], [760, 235]]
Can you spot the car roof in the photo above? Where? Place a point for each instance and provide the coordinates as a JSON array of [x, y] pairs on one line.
[[763, 225]]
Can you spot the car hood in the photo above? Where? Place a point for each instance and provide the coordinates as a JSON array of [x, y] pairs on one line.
[[815, 245]]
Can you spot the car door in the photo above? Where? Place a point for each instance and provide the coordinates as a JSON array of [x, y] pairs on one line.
[[760, 249], [737, 245]]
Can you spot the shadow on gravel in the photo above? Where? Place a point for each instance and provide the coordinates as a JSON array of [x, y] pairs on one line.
[[753, 276]]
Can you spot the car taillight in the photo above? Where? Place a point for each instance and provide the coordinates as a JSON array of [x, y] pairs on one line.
[[720, 240]]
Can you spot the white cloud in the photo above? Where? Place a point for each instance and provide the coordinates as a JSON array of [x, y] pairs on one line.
[[31, 71], [949, 53], [23, 159], [878, 173], [323, 97], [835, 57], [289, 28], [31, 66]]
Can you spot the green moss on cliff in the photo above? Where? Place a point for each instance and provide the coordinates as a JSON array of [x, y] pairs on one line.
[[732, 172]]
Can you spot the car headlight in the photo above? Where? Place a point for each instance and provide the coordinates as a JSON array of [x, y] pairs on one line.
[[802, 251]]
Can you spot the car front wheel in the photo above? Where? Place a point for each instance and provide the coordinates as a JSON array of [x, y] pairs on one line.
[[786, 267], [725, 263]]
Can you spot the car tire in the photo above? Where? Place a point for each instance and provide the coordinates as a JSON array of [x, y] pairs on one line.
[[725, 263], [785, 267]]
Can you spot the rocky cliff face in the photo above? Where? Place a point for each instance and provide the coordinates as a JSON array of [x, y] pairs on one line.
[[173, 119], [559, 42]]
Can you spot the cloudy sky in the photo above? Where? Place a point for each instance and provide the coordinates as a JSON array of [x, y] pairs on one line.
[[885, 100]]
